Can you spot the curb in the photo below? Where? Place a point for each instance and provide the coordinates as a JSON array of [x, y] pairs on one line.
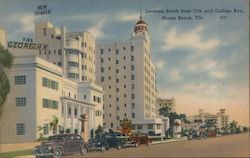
[[169, 141]]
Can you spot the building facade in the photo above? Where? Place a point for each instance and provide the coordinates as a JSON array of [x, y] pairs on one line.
[[170, 103], [127, 74], [43, 87]]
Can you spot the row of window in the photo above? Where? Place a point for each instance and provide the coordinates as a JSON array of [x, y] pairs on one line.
[[96, 99], [50, 83], [116, 50], [74, 64], [117, 61], [50, 104], [59, 52], [73, 75], [117, 80]]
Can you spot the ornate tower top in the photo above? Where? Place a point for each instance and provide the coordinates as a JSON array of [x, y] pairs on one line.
[[141, 25]]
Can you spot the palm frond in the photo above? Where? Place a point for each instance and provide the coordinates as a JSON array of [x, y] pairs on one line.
[[6, 58]]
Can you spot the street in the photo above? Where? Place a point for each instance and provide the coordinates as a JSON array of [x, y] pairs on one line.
[[225, 146]]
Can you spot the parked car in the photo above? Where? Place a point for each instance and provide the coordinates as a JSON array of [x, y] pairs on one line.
[[140, 138], [104, 141], [59, 145]]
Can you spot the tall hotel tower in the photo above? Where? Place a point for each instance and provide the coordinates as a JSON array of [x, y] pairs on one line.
[[127, 74]]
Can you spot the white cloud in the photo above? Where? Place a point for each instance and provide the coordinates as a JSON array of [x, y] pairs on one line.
[[197, 65], [160, 64], [218, 74], [128, 17], [27, 23], [96, 30], [192, 39], [175, 75]]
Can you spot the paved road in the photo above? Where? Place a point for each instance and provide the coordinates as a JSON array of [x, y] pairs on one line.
[[226, 146]]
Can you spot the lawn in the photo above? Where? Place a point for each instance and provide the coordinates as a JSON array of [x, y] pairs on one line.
[[16, 153]]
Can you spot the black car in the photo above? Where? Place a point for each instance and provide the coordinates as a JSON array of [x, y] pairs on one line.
[[59, 145], [104, 141]]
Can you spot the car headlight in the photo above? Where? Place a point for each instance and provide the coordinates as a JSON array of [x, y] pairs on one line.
[[50, 148]]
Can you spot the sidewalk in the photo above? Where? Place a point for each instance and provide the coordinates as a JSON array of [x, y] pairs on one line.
[[17, 146], [170, 140]]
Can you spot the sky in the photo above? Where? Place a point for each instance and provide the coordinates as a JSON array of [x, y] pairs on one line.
[[203, 64]]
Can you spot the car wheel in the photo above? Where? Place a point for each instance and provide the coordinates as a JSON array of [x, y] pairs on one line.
[[83, 150], [103, 149], [58, 153]]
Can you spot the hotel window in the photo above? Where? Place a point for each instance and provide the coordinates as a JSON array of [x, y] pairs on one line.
[[59, 64], [109, 87], [21, 101], [117, 80], [150, 126], [125, 105], [101, 60], [132, 77], [124, 58], [117, 98], [124, 77], [109, 96], [117, 61], [117, 108], [59, 51], [132, 58], [102, 69], [94, 98], [111, 124], [69, 110], [102, 79], [20, 80], [133, 86], [110, 115], [109, 49], [132, 48], [133, 96], [125, 114], [52, 36], [125, 96], [109, 68], [117, 117], [98, 100], [133, 105], [110, 105], [44, 31], [85, 97], [124, 48], [117, 70], [20, 129], [75, 112], [109, 78], [133, 115], [132, 67], [49, 52], [101, 51], [109, 58], [124, 67], [117, 89], [139, 127], [124, 86], [158, 126], [45, 129], [116, 51]]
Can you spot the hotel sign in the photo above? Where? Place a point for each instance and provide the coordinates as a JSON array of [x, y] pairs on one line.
[[42, 10], [25, 45]]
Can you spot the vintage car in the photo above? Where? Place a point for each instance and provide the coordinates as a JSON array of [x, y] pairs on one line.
[[104, 141], [59, 145], [140, 138]]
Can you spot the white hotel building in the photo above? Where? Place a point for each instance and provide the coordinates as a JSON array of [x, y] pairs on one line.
[[57, 82], [127, 74]]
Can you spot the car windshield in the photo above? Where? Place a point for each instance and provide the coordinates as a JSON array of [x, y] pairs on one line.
[[61, 137]]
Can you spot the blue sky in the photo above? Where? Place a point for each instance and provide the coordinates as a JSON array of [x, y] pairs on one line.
[[202, 63]]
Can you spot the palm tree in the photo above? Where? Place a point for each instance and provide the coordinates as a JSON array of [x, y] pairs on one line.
[[164, 111], [54, 124], [6, 60]]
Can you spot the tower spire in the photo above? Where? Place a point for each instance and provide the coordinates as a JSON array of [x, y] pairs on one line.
[[140, 13]]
